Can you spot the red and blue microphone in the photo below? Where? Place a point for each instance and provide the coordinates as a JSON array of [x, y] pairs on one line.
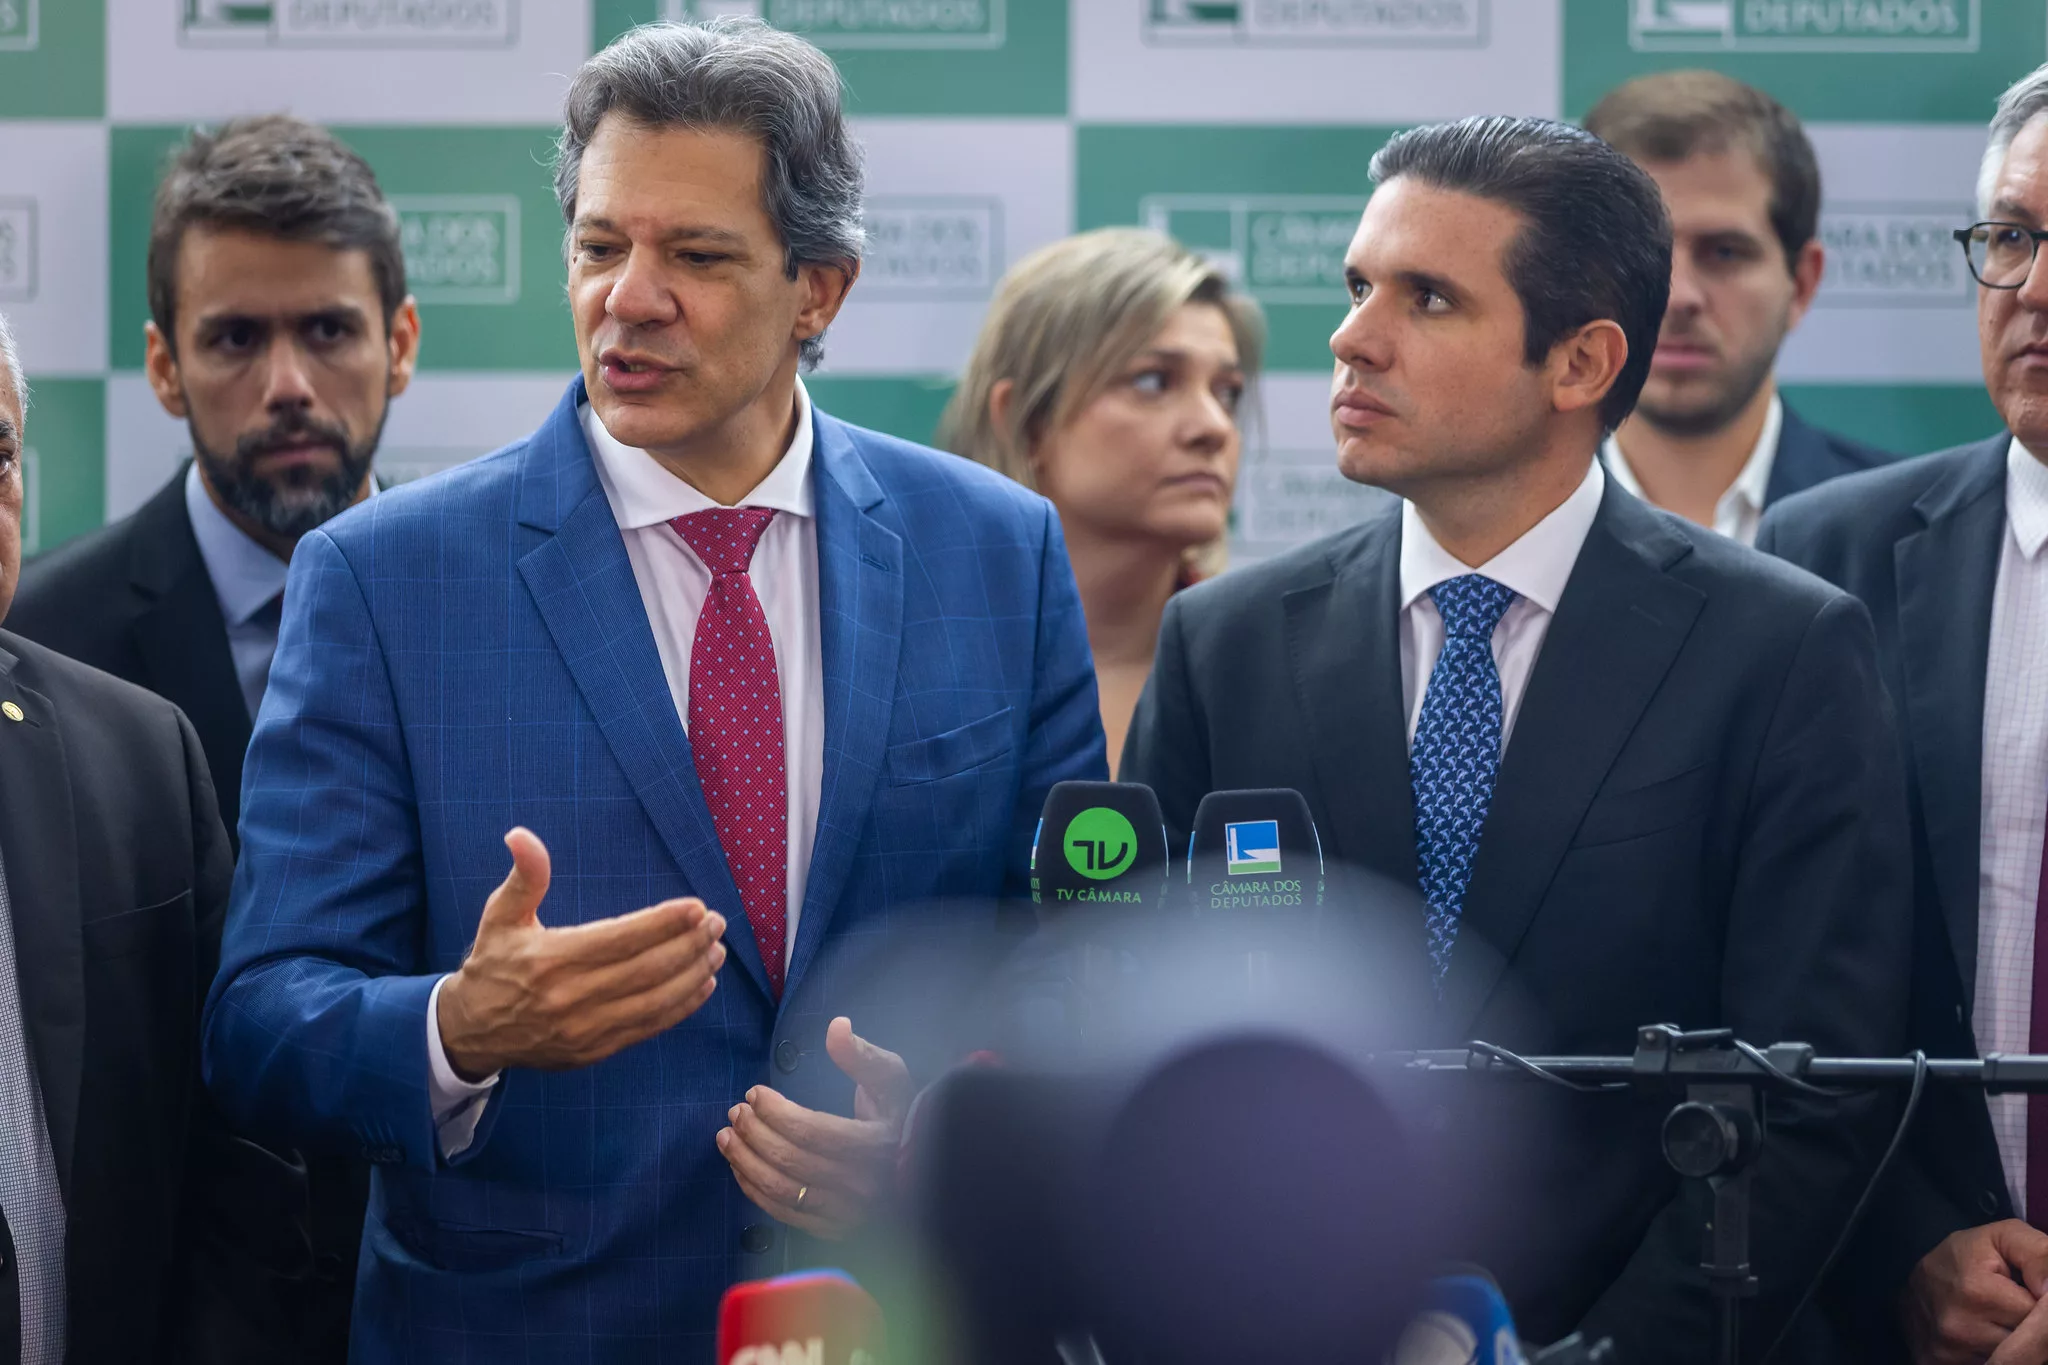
[[815, 1317]]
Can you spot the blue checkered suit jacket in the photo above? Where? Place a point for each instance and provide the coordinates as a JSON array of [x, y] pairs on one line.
[[470, 652]]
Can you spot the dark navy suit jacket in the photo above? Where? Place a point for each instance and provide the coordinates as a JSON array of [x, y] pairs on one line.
[[1809, 455], [471, 652], [1699, 818], [1919, 543]]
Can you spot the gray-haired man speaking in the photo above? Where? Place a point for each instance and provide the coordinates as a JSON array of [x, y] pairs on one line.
[[725, 683]]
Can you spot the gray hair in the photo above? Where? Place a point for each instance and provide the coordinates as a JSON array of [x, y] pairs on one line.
[[11, 358], [735, 73], [2025, 101]]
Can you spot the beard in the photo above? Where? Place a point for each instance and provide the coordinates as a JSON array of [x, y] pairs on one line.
[[297, 499], [1707, 413]]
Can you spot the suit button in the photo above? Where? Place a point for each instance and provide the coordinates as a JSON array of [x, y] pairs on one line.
[[787, 1055], [1988, 1201], [756, 1238]]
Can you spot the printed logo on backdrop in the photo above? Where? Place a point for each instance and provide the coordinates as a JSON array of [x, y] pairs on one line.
[[398, 464], [1894, 256], [890, 25], [460, 248], [1317, 23], [1279, 248], [348, 23], [935, 247], [1290, 497], [17, 250], [1805, 25], [18, 25]]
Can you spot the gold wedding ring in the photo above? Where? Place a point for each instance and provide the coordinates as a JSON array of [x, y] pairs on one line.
[[801, 1191]]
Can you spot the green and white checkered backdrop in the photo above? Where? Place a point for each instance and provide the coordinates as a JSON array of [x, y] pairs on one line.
[[992, 126]]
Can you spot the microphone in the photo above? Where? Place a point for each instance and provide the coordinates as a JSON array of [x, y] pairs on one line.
[[817, 1317], [1099, 843], [1465, 1321], [1254, 850]]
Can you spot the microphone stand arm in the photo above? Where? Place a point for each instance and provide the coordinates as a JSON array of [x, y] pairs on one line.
[[1715, 1133]]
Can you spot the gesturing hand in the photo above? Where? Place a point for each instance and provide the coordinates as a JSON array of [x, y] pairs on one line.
[[561, 998], [814, 1171], [1963, 1304]]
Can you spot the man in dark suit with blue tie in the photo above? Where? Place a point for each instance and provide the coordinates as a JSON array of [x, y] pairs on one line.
[[1711, 438], [740, 688], [1947, 551], [1639, 772]]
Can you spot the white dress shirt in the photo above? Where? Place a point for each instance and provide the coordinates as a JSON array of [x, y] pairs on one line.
[[1536, 567], [1740, 510], [673, 584], [2015, 796]]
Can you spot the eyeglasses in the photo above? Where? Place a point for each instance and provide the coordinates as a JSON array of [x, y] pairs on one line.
[[2000, 254]]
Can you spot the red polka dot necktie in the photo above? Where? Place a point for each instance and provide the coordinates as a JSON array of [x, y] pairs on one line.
[[736, 724]]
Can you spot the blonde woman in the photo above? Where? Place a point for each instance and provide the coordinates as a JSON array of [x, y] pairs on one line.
[[1109, 375]]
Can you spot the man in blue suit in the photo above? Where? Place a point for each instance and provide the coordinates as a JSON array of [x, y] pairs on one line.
[[743, 683]]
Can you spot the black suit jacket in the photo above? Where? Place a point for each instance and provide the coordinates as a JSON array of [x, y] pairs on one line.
[[1919, 542], [1809, 455], [134, 598], [1699, 819], [180, 1238]]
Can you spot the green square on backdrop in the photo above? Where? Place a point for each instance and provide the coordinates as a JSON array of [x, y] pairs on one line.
[[53, 58], [483, 240], [1930, 60], [986, 57], [1277, 206], [1906, 419], [64, 492], [906, 407]]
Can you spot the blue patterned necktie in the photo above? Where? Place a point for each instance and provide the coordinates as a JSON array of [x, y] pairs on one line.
[[1457, 753]]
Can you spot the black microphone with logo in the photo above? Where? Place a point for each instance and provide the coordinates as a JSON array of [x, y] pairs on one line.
[[1253, 851], [1099, 878], [1255, 872], [1099, 844]]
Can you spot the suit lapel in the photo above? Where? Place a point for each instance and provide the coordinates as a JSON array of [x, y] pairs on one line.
[[583, 586], [1618, 627], [860, 632], [39, 848], [181, 639], [1344, 648], [1946, 576], [1801, 460]]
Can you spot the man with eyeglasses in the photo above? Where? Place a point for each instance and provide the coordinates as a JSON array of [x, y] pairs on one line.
[[1950, 553]]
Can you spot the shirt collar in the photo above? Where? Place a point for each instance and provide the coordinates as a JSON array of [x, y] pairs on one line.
[[1751, 486], [2026, 498], [1535, 567], [245, 575], [643, 493]]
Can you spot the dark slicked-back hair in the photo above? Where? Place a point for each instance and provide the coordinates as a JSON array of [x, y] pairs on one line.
[[279, 176], [1596, 242]]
